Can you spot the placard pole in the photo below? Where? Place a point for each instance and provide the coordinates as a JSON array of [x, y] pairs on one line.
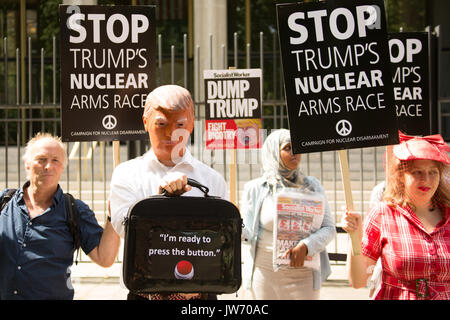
[[388, 163], [232, 168], [345, 173], [233, 179], [116, 153]]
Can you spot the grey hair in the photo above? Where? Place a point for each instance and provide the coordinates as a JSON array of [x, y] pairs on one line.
[[39, 136]]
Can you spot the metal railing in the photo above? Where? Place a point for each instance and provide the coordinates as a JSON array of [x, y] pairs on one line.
[[90, 164]]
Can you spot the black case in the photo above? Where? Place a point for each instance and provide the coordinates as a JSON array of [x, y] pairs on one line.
[[159, 229]]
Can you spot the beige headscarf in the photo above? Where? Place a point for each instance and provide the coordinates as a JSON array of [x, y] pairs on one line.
[[275, 173]]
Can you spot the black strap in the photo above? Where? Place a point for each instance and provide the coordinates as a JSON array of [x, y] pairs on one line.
[[8, 196], [72, 222]]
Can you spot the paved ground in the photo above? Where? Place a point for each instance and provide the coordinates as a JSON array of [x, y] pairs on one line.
[[92, 282]]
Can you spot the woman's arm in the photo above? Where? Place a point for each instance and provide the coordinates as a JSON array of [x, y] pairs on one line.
[[247, 211], [317, 241], [360, 267]]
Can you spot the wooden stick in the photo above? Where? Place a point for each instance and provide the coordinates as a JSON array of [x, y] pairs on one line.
[[100, 161], [116, 153], [232, 169], [345, 173], [388, 164]]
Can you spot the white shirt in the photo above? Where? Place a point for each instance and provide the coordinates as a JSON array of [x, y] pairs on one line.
[[139, 178], [266, 222]]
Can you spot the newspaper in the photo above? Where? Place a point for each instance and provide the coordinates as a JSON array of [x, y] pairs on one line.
[[297, 216]]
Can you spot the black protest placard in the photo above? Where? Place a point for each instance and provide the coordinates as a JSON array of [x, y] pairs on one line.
[[337, 75], [107, 69], [233, 108], [410, 72]]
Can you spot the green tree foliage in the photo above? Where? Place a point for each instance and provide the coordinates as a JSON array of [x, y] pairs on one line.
[[48, 23], [409, 15]]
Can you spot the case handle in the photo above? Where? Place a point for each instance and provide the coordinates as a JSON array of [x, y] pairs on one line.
[[197, 184], [193, 183]]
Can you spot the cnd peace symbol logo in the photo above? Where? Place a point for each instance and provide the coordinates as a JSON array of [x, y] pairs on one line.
[[109, 122], [343, 127]]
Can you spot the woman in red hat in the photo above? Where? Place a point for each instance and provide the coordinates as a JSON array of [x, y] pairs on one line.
[[410, 229]]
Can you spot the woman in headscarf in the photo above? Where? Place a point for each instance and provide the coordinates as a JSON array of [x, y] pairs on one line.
[[281, 170], [410, 230]]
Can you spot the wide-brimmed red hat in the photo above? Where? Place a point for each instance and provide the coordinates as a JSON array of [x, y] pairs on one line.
[[422, 148]]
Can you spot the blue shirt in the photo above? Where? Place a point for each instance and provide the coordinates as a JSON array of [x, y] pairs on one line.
[[36, 254]]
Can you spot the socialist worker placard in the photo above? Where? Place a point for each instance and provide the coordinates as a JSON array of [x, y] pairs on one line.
[[233, 114]]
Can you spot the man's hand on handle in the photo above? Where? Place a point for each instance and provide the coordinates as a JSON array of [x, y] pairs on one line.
[[175, 183]]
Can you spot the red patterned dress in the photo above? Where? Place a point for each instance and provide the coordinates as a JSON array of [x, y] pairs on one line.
[[416, 263]]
